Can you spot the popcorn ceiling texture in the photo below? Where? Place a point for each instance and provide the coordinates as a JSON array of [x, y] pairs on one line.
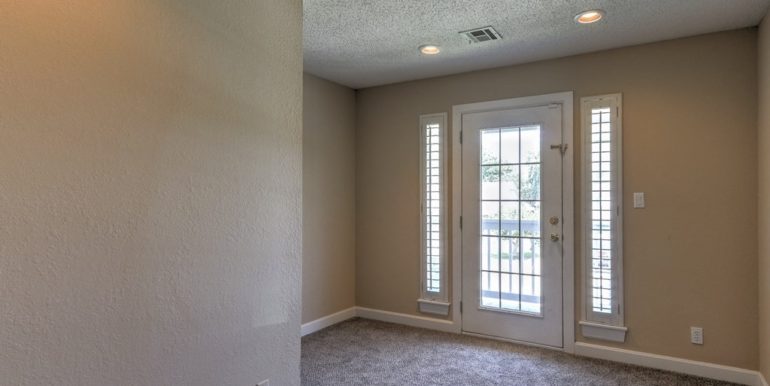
[[368, 43], [150, 159]]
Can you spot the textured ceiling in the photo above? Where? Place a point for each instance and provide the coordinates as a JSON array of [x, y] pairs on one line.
[[363, 43]]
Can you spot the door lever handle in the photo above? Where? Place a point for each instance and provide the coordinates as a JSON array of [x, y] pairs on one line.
[[554, 237]]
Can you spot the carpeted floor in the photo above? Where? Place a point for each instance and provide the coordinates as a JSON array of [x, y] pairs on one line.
[[366, 352]]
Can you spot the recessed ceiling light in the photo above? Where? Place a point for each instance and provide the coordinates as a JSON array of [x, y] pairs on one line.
[[590, 16], [429, 49]]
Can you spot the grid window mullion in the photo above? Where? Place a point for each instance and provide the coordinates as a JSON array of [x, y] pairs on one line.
[[505, 284]]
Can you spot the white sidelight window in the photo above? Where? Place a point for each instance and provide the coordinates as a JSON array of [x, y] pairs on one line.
[[603, 218], [433, 296]]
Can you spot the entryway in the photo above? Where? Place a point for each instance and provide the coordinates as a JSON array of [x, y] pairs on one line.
[[514, 159]]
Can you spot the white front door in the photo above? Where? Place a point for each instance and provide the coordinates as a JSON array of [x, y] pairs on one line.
[[512, 224]]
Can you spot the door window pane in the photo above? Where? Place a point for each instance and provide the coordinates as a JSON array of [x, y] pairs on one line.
[[490, 182], [511, 219]]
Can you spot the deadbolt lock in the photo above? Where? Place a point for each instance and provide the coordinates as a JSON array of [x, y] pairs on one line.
[[554, 220]]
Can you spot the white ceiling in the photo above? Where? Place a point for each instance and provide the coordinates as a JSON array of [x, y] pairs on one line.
[[363, 43]]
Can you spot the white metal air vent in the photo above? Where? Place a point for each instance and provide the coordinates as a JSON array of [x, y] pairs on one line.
[[483, 34]]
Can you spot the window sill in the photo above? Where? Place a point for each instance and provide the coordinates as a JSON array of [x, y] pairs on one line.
[[433, 307], [603, 331]]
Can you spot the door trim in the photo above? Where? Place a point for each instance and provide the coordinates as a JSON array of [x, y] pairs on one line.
[[568, 201]]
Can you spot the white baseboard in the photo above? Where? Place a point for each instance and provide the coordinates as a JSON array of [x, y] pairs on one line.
[[384, 316], [763, 380], [678, 365], [328, 320], [409, 320]]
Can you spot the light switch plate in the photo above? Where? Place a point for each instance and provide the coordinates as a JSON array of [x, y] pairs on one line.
[[639, 200]]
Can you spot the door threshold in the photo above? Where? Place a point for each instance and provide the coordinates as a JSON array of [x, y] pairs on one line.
[[514, 341]]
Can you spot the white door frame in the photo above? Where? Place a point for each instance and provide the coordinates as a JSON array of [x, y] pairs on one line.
[[568, 203]]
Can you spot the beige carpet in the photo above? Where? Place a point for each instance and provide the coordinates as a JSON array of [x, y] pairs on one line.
[[365, 352]]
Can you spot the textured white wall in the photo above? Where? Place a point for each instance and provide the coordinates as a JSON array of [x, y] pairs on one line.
[[150, 192]]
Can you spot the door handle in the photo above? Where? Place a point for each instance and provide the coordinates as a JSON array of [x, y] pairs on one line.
[[554, 237]]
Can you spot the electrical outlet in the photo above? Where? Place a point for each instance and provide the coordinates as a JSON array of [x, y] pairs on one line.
[[696, 335], [266, 382]]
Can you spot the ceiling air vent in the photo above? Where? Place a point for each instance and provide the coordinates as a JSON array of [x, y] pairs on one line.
[[483, 34]]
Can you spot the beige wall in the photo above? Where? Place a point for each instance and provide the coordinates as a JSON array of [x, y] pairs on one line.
[[151, 192], [690, 131], [764, 197], [328, 201]]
